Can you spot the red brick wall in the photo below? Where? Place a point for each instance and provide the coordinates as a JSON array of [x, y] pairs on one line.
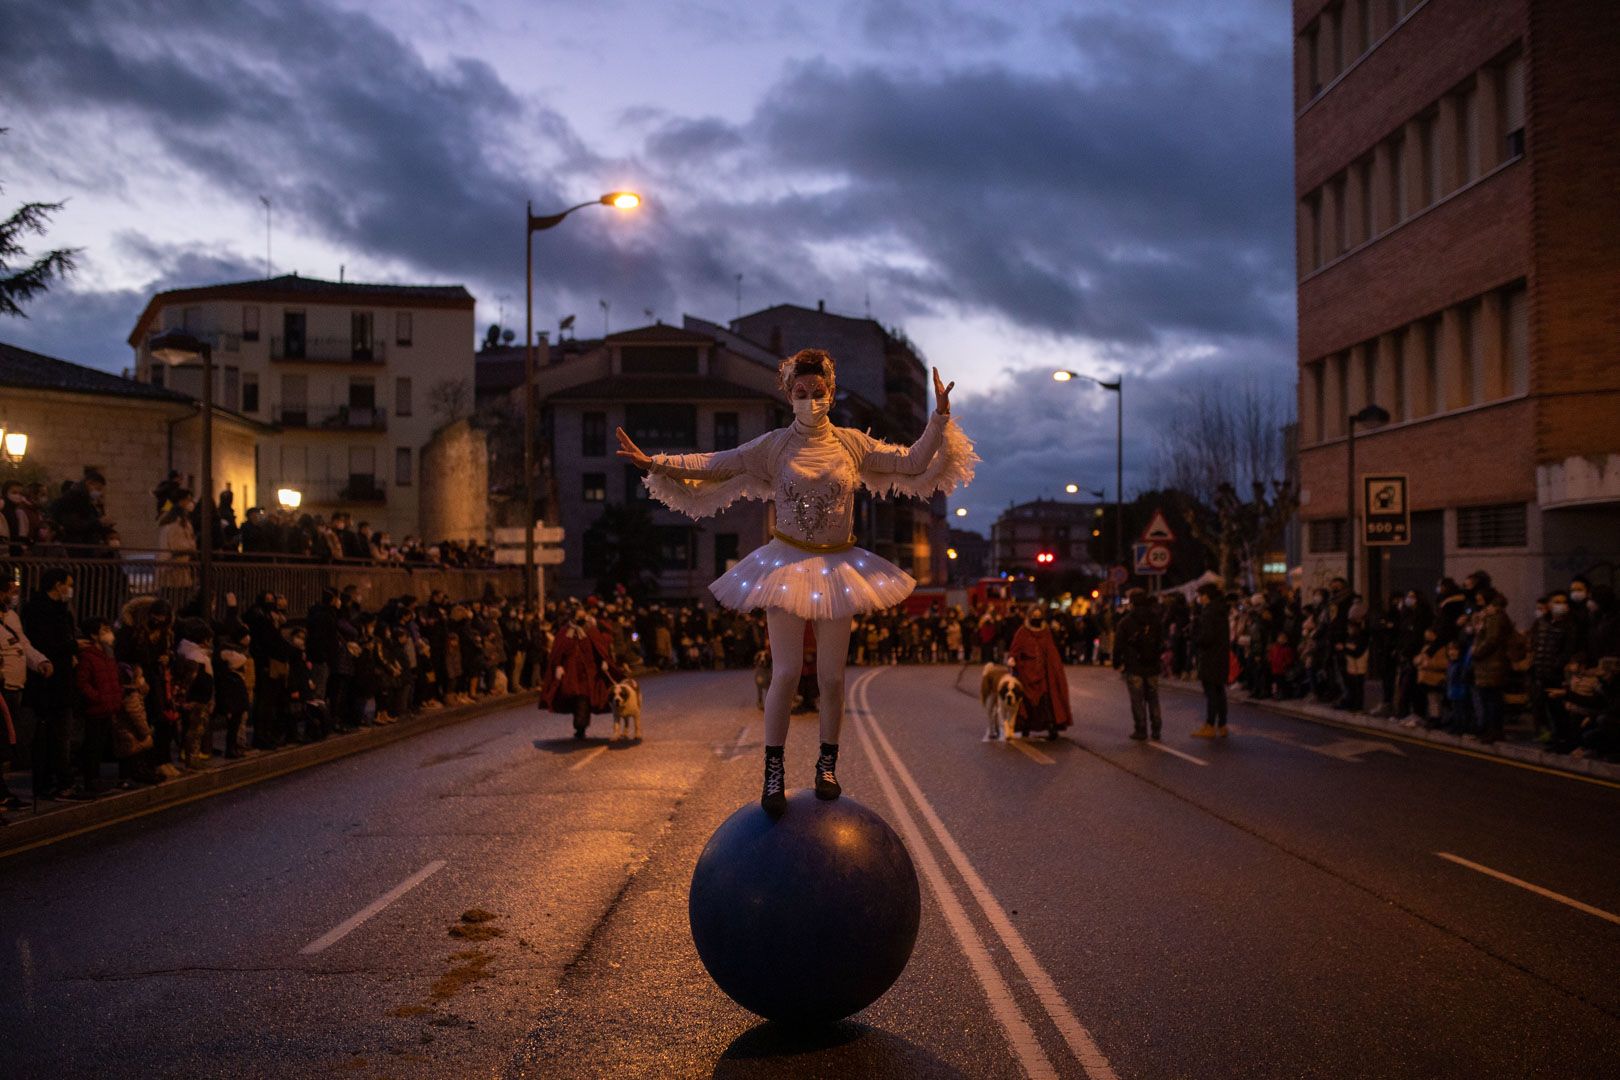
[[1442, 43], [1474, 241], [1474, 458], [1574, 105]]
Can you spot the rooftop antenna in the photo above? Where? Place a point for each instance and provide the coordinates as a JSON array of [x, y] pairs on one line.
[[869, 299], [604, 305], [739, 296], [266, 200], [341, 269], [503, 298]]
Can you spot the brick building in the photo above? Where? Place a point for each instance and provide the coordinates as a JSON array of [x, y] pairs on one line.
[[1459, 266], [1050, 526]]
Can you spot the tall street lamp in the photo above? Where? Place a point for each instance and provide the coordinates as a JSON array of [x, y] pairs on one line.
[[176, 347], [1118, 387], [623, 200], [1371, 416]]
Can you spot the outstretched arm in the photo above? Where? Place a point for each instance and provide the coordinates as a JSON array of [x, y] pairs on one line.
[[719, 465]]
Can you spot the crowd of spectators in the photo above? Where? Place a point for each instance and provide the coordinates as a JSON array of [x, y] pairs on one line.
[[72, 522]]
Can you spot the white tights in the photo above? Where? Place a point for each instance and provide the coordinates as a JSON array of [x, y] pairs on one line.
[[787, 660]]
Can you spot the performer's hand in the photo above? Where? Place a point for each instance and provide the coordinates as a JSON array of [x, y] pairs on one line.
[[942, 395], [631, 452]]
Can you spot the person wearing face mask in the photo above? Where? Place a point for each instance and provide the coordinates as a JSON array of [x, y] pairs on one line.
[[78, 510], [810, 571], [177, 538], [49, 622], [1035, 660], [580, 670], [1552, 646], [1413, 618], [100, 696], [19, 518], [1580, 614], [1212, 639]]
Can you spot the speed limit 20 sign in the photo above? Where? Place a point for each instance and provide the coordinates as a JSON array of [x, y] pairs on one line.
[[1386, 519]]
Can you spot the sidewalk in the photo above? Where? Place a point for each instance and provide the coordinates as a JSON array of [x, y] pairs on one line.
[[1509, 749], [26, 829]]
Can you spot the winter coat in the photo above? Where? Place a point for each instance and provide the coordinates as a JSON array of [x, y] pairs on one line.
[[1034, 656], [17, 654], [1552, 643], [100, 696], [1213, 641], [131, 734], [581, 653], [49, 624], [1431, 665], [1139, 642], [232, 695], [1490, 656]]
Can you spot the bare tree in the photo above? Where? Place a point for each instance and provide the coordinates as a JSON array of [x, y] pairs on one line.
[[1224, 447], [450, 399]]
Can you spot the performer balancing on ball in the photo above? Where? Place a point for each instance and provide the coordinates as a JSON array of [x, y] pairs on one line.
[[810, 571]]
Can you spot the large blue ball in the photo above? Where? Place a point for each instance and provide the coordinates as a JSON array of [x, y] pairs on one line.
[[808, 917]]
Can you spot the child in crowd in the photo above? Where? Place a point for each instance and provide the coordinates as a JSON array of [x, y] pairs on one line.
[[1280, 659], [194, 676], [131, 734], [1431, 663], [234, 697], [1459, 703], [100, 696]]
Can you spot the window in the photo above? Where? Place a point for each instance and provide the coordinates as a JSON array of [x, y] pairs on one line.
[[250, 322], [725, 430], [1502, 526], [362, 393], [593, 434], [292, 335], [1398, 345], [294, 400], [1467, 144], [158, 373], [1513, 106], [250, 391], [402, 466], [1516, 340], [402, 328], [1431, 367], [1313, 61], [594, 487], [1341, 215], [191, 318], [1476, 383], [1364, 194], [1313, 243], [727, 549], [402, 396], [663, 426], [634, 490], [1326, 536], [233, 388], [659, 359], [360, 326], [676, 551], [1428, 163], [1397, 180]]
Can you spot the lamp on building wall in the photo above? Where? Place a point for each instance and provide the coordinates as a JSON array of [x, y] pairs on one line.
[[13, 445], [1118, 387], [289, 498], [961, 511], [174, 348], [621, 200], [1370, 416]]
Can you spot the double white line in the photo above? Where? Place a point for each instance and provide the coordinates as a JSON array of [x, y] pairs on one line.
[[1020, 1034]]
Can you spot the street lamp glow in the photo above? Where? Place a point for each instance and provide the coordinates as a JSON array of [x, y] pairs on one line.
[[1071, 488], [16, 445], [950, 553], [623, 200], [1062, 376], [289, 498], [961, 511]]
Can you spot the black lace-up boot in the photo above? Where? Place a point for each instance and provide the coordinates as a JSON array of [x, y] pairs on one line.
[[774, 798], [826, 772]]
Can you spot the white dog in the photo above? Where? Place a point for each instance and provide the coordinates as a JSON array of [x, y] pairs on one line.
[[1002, 695], [626, 699]]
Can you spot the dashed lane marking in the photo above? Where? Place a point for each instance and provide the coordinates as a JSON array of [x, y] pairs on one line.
[[590, 756], [342, 929], [1182, 754], [1079, 1040], [1537, 889], [1038, 757]]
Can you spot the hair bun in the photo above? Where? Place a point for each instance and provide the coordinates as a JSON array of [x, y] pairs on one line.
[[806, 362]]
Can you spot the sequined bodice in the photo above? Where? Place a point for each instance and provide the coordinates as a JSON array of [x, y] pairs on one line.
[[815, 488]]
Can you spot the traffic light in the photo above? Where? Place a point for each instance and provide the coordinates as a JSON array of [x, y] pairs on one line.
[[1045, 557]]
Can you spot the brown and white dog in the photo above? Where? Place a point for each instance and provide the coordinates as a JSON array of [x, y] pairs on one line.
[[1002, 695], [625, 698]]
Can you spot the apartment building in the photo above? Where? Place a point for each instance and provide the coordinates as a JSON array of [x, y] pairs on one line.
[[353, 378], [1459, 267], [1025, 533]]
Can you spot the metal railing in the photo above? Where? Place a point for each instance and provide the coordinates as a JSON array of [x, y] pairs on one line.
[[328, 350], [104, 582], [332, 417]]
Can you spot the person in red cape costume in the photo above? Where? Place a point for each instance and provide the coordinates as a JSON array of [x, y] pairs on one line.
[[1039, 667], [580, 671]]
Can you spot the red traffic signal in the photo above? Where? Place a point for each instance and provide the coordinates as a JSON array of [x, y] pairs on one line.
[[1045, 557]]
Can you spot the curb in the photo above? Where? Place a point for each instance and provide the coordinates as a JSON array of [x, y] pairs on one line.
[[27, 832], [1517, 753]]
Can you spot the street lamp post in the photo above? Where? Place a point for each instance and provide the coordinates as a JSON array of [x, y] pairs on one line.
[[1118, 387], [175, 347], [1372, 416], [623, 200]]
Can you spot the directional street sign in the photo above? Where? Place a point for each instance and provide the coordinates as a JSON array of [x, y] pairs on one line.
[[1386, 519], [1158, 530]]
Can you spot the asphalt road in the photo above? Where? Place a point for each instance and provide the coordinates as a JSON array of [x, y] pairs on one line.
[[494, 899]]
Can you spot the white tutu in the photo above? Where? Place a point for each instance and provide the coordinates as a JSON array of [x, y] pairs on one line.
[[812, 585]]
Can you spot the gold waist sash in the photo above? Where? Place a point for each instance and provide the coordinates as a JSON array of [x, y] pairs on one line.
[[819, 549]]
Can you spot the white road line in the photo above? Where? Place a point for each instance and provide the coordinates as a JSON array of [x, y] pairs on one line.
[[1182, 754], [589, 757], [1026, 1047], [1080, 1042], [1537, 889], [1039, 758], [737, 747], [342, 929]]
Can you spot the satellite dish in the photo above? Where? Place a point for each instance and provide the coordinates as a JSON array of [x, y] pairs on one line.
[[567, 323], [507, 336]]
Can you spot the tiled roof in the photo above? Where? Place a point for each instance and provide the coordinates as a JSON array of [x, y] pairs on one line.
[[660, 388], [659, 334], [35, 371], [291, 288]]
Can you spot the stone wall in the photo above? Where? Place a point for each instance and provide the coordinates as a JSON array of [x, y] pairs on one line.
[[455, 484]]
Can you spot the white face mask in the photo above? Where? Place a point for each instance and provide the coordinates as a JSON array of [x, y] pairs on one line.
[[811, 410]]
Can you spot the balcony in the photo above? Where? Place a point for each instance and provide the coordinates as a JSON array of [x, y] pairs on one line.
[[327, 350], [348, 418], [358, 489]]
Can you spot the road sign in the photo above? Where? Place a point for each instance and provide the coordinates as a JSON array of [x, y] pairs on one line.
[[1158, 530], [543, 534], [1386, 518], [1151, 559], [1118, 575], [506, 556]]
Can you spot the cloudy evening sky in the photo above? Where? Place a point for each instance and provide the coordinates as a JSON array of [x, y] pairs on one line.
[[1095, 184]]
